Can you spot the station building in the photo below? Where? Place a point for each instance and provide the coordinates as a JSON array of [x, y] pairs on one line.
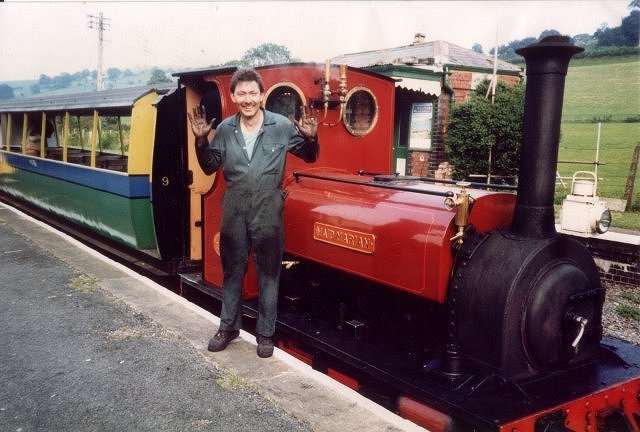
[[432, 76]]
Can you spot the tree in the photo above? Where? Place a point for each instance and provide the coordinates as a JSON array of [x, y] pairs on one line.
[[266, 54], [61, 81], [477, 48], [546, 33], [478, 129], [585, 40], [158, 76], [627, 34], [44, 80], [232, 63], [508, 52], [631, 29], [6, 91], [113, 73]]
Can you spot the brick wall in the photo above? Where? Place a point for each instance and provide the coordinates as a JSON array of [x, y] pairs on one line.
[[617, 261], [420, 163], [460, 81]]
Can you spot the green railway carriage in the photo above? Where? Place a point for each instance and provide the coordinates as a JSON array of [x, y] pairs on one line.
[[88, 158]]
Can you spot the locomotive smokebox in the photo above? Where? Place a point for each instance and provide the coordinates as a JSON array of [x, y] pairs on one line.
[[524, 299], [547, 63]]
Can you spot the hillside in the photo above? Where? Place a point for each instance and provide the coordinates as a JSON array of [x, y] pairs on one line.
[[29, 88], [605, 89]]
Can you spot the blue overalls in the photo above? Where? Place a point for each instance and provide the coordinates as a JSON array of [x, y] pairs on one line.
[[252, 209]]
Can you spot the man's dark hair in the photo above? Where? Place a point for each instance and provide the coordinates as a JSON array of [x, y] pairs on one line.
[[247, 75]]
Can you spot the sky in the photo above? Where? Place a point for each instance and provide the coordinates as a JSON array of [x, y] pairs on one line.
[[40, 37]]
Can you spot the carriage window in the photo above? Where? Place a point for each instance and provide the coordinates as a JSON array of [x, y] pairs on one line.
[[114, 134], [34, 126], [286, 99], [15, 123], [4, 120], [113, 142], [361, 112], [79, 145], [80, 129], [58, 125]]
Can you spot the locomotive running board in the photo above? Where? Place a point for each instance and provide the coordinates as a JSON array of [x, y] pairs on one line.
[[488, 407]]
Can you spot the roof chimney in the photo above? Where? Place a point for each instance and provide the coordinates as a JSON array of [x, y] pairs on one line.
[[418, 38]]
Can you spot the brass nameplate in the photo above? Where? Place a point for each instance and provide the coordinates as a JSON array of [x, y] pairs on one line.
[[349, 239]]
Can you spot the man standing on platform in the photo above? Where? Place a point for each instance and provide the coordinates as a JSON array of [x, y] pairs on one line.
[[251, 146]]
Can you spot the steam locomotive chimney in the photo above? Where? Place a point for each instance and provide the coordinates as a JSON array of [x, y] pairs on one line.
[[546, 66]]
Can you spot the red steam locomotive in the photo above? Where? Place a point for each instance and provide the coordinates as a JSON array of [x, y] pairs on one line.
[[463, 298]]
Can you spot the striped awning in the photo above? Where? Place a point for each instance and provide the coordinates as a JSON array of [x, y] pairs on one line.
[[424, 86]]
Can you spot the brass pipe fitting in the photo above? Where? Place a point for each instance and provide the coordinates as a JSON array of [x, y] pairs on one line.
[[462, 204]]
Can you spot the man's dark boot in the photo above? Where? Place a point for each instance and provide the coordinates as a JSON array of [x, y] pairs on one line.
[[222, 339], [265, 346]]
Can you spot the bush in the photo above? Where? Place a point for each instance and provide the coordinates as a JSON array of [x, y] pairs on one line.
[[610, 51], [477, 128], [607, 118]]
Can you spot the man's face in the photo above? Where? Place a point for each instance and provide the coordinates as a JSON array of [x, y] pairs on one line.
[[247, 98]]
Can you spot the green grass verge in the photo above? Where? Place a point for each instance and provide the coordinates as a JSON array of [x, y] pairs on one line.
[[617, 144]]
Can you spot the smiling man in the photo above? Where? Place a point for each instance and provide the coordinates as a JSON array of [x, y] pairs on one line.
[[251, 146]]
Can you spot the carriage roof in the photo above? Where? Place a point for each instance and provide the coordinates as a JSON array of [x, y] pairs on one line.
[[116, 98]]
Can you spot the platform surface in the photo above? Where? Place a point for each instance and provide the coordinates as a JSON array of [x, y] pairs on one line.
[[89, 345]]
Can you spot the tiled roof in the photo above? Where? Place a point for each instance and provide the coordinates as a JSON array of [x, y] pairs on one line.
[[433, 53]]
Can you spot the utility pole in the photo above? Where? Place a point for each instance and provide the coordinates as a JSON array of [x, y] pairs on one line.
[[100, 23]]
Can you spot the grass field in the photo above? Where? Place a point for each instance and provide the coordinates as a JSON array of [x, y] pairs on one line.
[[607, 89], [601, 88], [617, 143]]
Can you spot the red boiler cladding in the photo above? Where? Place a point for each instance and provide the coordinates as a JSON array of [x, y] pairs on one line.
[[398, 233]]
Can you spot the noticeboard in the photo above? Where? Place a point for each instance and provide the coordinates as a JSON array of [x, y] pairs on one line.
[[420, 126]]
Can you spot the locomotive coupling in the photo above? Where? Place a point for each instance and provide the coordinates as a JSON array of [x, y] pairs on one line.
[[462, 204]]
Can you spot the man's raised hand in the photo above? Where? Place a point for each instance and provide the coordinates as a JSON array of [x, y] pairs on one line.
[[199, 125], [308, 126]]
